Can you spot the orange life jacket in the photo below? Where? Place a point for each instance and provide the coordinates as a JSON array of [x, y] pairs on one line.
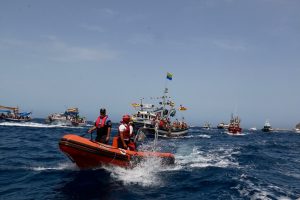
[[100, 122]]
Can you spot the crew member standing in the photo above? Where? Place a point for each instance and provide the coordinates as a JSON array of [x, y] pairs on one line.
[[103, 127]]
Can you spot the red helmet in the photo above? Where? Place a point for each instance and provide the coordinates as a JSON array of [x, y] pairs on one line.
[[126, 118]]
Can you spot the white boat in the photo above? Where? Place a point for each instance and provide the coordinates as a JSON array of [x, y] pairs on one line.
[[69, 118], [267, 127], [297, 128], [206, 126], [148, 116], [145, 115], [222, 125]]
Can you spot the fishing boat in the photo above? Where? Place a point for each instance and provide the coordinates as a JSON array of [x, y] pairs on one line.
[[69, 118], [267, 127], [90, 154], [145, 115], [206, 126], [150, 118], [297, 128], [12, 114], [234, 125], [222, 125]]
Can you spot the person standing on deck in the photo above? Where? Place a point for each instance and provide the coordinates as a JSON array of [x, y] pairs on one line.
[[103, 127]]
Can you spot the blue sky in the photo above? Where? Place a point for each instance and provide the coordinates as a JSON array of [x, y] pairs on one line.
[[225, 56]]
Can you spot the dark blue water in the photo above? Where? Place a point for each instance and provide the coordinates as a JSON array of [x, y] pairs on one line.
[[209, 165]]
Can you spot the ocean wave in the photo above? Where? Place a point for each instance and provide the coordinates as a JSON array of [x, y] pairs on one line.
[[254, 189], [212, 158], [60, 167], [197, 136]]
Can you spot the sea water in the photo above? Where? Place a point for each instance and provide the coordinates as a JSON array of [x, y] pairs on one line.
[[209, 164]]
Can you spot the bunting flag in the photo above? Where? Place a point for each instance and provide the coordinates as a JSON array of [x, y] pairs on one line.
[[135, 105], [169, 76], [181, 108]]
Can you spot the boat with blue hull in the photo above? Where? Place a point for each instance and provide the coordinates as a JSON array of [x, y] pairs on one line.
[[12, 114]]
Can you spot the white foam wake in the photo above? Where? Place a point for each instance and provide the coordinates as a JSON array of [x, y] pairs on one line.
[[61, 166], [35, 125], [201, 159], [145, 173]]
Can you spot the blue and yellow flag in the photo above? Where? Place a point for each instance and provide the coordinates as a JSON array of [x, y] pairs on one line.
[[169, 76]]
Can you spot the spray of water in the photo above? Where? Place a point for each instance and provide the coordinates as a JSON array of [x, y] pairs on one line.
[[146, 173]]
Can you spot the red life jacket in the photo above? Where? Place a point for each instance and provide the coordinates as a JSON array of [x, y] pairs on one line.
[[100, 122], [126, 133]]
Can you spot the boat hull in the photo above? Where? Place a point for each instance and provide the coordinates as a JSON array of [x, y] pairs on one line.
[[266, 129], [236, 130], [16, 120], [165, 133], [90, 154]]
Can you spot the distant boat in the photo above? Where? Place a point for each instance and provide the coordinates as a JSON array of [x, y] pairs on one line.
[[267, 127], [206, 126], [222, 125], [234, 125], [69, 118], [253, 129], [12, 114], [297, 128]]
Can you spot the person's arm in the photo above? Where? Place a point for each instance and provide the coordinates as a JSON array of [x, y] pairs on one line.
[[92, 129]]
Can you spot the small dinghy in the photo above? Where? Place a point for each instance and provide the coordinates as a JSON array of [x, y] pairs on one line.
[[90, 154]]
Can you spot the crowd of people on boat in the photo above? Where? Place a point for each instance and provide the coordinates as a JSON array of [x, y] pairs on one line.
[[13, 116], [166, 124]]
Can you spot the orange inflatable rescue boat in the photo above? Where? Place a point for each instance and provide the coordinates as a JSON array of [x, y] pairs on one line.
[[90, 154]]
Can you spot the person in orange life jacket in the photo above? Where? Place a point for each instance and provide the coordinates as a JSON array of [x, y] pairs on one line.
[[103, 127], [125, 133]]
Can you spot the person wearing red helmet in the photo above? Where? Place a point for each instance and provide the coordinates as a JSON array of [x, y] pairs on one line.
[[125, 133], [103, 127]]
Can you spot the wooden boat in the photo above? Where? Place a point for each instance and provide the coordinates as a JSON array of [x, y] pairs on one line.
[[90, 154], [12, 114]]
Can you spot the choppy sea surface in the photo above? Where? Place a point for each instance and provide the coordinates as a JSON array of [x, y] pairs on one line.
[[209, 164]]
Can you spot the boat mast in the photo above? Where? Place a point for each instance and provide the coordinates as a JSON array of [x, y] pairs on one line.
[[141, 99]]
